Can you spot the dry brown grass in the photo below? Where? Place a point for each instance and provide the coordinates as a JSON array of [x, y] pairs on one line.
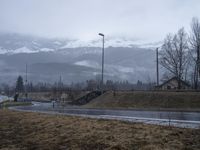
[[47, 96], [20, 130], [148, 99], [12, 103]]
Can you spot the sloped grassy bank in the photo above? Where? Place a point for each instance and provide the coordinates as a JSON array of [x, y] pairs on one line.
[[148, 99]]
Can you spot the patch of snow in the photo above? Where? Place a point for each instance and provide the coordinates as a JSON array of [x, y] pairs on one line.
[[3, 51], [46, 50], [150, 45], [23, 50], [87, 63], [57, 43], [78, 43], [115, 42], [4, 98], [35, 43]]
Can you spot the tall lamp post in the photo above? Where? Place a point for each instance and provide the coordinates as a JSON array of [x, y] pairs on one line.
[[26, 90], [101, 34]]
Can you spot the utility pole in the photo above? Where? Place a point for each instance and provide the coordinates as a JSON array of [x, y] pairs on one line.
[[102, 63], [198, 62], [157, 67], [60, 84]]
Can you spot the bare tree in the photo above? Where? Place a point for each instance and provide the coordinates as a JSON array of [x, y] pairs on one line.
[[166, 76], [174, 54], [195, 49]]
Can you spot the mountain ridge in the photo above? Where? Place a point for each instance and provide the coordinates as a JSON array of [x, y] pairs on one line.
[[49, 59], [17, 43]]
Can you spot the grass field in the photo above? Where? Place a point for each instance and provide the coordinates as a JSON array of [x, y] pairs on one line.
[[7, 104], [148, 99], [47, 96], [20, 130]]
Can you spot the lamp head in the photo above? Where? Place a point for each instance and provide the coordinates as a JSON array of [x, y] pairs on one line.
[[101, 34]]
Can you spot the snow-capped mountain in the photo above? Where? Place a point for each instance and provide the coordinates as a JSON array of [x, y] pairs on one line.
[[16, 43], [75, 60], [113, 42]]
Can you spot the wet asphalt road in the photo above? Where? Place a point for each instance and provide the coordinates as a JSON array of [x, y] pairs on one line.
[[178, 119]]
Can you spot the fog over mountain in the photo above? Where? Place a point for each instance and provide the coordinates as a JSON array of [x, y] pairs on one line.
[[61, 37], [74, 60]]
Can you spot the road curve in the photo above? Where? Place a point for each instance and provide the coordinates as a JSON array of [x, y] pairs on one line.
[[177, 119]]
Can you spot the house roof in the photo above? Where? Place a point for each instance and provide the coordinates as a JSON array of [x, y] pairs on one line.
[[174, 78]]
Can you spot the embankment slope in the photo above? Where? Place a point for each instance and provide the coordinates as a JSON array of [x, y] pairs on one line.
[[147, 99]]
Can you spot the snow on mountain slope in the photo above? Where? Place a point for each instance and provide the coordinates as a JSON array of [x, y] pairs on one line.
[[114, 42], [22, 50], [88, 63], [76, 60], [2, 50], [15, 43]]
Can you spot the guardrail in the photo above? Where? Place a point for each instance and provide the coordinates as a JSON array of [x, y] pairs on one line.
[[86, 98]]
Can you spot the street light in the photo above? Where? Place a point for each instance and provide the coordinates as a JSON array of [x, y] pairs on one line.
[[101, 34], [26, 90]]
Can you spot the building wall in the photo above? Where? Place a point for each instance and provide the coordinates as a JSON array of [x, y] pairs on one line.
[[173, 84]]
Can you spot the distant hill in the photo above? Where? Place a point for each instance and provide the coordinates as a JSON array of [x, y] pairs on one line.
[[47, 59]]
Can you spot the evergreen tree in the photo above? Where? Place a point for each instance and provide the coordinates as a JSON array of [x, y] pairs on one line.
[[20, 84]]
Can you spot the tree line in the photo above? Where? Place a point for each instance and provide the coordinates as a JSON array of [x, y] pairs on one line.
[[59, 87]]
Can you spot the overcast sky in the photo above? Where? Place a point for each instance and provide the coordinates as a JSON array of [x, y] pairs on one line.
[[83, 19]]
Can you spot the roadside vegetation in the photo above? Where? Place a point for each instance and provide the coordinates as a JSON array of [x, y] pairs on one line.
[[148, 100], [19, 130], [7, 104]]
